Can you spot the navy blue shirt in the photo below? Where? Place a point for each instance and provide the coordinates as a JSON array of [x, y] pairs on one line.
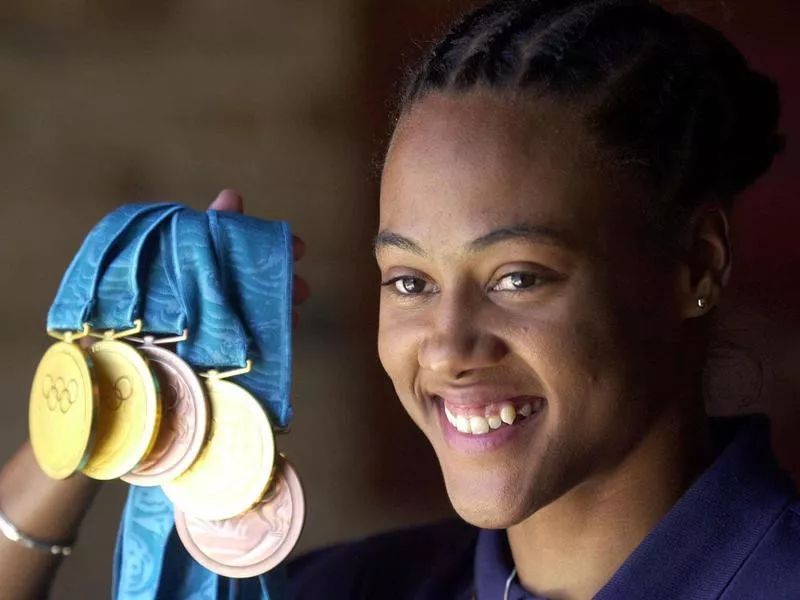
[[734, 535]]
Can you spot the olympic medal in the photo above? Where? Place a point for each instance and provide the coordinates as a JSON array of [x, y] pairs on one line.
[[252, 543], [130, 410], [184, 423], [62, 413], [235, 467]]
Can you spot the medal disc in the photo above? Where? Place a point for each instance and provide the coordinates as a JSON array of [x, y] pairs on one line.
[[184, 422], [252, 543], [130, 410], [235, 466], [62, 412]]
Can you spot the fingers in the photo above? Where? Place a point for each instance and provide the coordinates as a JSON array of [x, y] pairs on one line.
[[300, 290], [299, 247], [228, 200]]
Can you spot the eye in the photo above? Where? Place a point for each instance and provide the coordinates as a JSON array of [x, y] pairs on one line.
[[515, 282], [408, 286]]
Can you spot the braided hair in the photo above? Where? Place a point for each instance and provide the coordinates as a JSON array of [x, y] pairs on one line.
[[666, 93]]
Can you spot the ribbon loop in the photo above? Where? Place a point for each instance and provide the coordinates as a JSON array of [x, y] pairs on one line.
[[258, 261], [72, 306], [118, 297], [217, 339]]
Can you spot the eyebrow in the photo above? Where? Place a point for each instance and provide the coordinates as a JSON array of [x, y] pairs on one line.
[[537, 233]]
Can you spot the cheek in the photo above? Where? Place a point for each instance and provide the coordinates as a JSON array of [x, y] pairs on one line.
[[571, 358], [398, 342], [578, 358]]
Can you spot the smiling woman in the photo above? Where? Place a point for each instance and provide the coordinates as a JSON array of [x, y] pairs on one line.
[[554, 238]]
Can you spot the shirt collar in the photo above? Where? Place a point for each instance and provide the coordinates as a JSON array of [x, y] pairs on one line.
[[701, 542], [493, 566]]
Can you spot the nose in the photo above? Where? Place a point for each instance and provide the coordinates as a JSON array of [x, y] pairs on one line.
[[459, 343]]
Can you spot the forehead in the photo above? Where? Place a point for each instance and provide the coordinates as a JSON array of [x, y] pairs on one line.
[[463, 165]]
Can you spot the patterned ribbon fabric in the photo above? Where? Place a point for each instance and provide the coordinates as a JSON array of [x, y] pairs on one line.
[[75, 298]]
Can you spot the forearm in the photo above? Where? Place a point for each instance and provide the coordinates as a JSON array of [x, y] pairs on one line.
[[43, 509]]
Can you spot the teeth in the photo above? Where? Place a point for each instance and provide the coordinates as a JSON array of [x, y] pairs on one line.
[[478, 425], [462, 424], [508, 414]]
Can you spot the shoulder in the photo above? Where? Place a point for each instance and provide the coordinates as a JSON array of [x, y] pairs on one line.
[[773, 569], [434, 561]]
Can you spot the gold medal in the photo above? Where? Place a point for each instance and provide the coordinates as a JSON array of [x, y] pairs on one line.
[[235, 467], [130, 407], [63, 408]]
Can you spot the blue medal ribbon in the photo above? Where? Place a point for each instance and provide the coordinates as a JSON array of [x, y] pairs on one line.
[[118, 300], [162, 311], [258, 269], [217, 338], [73, 303]]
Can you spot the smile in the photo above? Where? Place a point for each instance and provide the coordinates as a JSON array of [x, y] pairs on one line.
[[495, 416], [479, 420]]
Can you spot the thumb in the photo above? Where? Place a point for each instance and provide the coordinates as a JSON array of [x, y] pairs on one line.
[[228, 200]]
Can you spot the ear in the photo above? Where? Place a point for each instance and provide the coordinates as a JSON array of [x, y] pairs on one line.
[[706, 266]]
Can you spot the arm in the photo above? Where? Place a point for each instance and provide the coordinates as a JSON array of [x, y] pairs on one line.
[[43, 509]]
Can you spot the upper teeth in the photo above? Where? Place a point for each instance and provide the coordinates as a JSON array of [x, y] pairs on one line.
[[478, 425], [508, 414]]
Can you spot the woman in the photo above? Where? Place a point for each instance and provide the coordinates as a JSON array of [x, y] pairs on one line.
[[553, 238]]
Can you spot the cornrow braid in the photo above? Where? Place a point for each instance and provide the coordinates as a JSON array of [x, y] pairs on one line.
[[445, 55], [668, 94]]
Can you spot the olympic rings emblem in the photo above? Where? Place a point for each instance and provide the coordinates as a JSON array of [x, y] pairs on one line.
[[123, 390], [59, 394]]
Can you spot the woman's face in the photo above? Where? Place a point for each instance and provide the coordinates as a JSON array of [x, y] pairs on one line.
[[523, 320]]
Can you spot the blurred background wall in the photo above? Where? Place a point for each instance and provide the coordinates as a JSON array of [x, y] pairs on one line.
[[110, 101]]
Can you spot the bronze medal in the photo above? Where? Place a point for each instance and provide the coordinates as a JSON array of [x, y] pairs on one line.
[[185, 418], [252, 543]]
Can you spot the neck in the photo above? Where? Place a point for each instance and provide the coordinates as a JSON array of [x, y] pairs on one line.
[[571, 548]]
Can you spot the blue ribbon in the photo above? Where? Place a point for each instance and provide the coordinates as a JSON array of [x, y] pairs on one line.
[[73, 303], [162, 311], [258, 271], [217, 339], [118, 299]]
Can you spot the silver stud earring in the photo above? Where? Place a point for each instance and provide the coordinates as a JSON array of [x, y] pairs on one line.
[[702, 303]]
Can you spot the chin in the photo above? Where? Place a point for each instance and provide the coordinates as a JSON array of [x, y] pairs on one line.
[[489, 501]]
